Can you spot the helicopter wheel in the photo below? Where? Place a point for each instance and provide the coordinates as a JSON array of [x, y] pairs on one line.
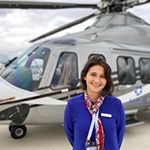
[[17, 131]]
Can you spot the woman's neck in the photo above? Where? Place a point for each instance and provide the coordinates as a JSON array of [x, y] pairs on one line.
[[93, 96]]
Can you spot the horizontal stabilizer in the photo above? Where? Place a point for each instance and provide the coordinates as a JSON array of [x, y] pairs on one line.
[[131, 112], [133, 122]]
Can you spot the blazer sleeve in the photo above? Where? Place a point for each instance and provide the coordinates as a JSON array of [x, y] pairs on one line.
[[121, 125], [68, 124]]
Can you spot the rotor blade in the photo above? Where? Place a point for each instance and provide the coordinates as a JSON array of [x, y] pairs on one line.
[[43, 5], [138, 2], [129, 3], [64, 27]]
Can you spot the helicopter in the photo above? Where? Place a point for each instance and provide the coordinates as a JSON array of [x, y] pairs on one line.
[[36, 86]]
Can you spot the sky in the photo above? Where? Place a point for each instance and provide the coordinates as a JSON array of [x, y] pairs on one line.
[[19, 26]]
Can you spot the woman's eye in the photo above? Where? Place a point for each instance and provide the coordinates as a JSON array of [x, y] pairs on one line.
[[103, 76], [93, 74]]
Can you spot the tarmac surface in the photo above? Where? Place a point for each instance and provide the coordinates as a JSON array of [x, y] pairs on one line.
[[52, 137]]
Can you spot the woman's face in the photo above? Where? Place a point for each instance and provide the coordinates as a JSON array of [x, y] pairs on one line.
[[95, 79]]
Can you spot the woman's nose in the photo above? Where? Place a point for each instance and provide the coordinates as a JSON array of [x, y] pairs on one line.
[[97, 79]]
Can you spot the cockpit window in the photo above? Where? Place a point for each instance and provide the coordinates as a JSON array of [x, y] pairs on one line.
[[145, 69], [126, 70], [66, 72], [26, 72]]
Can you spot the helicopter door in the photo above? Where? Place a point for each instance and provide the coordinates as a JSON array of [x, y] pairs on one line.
[[66, 72], [37, 63]]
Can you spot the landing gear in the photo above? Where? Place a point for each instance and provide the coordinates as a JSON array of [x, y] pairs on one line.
[[17, 131]]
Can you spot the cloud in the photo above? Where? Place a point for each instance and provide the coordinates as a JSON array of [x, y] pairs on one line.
[[142, 11], [18, 26]]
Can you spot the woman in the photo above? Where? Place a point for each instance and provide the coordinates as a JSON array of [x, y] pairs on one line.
[[97, 100]]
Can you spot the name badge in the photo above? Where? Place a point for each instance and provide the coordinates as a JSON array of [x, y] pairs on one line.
[[91, 148], [106, 115]]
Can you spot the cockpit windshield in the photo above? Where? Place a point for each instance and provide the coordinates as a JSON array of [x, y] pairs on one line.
[[26, 71]]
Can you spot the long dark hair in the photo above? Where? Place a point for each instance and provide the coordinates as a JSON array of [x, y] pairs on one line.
[[97, 60]]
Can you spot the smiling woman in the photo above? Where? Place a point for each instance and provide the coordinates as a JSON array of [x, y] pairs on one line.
[[95, 120]]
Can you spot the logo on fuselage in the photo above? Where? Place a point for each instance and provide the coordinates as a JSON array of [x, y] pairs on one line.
[[138, 90]]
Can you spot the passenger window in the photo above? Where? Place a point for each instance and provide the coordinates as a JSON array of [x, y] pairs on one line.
[[126, 70], [66, 72], [144, 64]]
